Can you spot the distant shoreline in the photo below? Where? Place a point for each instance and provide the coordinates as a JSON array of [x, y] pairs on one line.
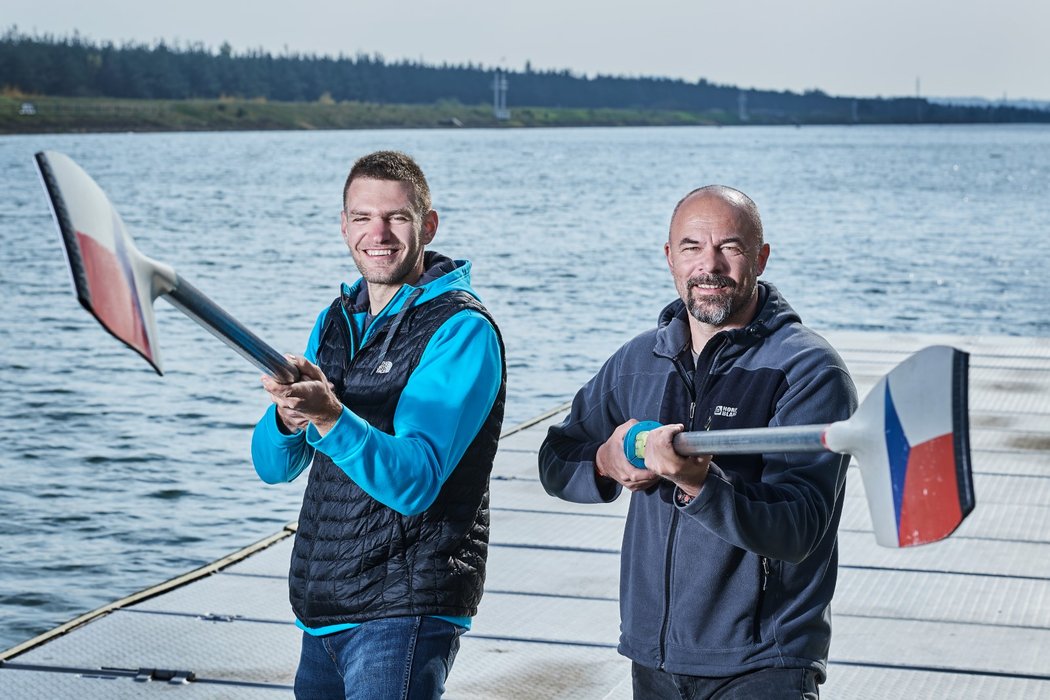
[[21, 114], [43, 114], [188, 86]]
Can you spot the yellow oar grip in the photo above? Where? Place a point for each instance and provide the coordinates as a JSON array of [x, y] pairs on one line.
[[635, 440]]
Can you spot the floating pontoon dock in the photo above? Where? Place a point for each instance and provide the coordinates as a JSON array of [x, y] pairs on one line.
[[968, 617]]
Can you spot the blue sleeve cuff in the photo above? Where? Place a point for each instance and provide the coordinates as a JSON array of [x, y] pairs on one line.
[[278, 457]]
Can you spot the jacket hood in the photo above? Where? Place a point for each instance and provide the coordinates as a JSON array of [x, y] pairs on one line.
[[672, 334]]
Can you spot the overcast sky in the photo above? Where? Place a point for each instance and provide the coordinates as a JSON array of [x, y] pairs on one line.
[[964, 48]]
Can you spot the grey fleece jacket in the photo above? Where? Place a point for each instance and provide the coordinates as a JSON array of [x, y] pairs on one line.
[[741, 578]]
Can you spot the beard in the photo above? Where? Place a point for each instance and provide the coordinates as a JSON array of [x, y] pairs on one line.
[[718, 309], [394, 275]]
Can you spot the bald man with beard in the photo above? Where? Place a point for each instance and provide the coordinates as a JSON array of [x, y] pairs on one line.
[[728, 563]]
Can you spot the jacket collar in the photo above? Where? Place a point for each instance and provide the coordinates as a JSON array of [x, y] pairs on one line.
[[439, 271]]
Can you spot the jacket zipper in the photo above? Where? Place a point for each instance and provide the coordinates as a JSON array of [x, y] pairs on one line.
[[764, 578], [673, 528], [349, 332], [669, 565]]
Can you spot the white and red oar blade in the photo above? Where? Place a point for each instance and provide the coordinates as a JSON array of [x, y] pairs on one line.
[[112, 280], [911, 440]]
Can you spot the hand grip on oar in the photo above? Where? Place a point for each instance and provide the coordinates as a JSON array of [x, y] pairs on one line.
[[910, 436], [634, 442]]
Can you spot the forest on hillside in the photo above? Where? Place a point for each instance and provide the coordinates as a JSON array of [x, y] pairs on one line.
[[77, 67]]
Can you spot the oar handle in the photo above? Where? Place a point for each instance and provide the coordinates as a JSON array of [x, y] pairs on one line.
[[192, 302], [795, 438]]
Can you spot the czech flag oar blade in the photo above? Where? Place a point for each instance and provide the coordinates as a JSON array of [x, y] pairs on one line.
[[117, 284], [111, 279], [910, 435], [911, 438]]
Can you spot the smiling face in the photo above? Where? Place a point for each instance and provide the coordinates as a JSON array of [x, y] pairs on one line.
[[715, 254], [386, 234]]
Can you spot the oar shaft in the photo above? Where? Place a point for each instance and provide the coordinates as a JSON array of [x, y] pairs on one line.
[[192, 302], [796, 438]]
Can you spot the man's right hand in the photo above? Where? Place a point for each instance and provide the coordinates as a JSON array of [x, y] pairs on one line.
[[311, 399], [611, 462]]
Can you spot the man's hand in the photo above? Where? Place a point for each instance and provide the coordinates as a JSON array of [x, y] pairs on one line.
[[312, 399], [688, 473], [612, 463]]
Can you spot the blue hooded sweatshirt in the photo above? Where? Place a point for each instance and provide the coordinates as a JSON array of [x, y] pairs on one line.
[[404, 471]]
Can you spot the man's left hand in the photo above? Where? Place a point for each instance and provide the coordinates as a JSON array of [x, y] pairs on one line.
[[688, 473]]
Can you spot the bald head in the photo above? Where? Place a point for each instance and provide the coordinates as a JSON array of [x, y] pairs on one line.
[[746, 207]]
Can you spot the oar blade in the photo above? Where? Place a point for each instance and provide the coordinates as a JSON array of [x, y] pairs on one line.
[[915, 458], [111, 279]]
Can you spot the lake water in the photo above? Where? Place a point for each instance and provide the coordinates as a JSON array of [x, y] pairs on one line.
[[115, 479]]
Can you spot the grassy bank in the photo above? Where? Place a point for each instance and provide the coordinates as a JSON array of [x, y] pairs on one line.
[[86, 114]]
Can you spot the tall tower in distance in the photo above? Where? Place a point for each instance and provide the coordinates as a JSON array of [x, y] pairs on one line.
[[918, 100], [499, 97]]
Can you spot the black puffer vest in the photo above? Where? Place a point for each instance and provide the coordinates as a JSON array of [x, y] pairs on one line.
[[354, 559]]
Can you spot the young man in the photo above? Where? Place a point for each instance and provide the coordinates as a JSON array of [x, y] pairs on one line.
[[398, 407], [728, 565]]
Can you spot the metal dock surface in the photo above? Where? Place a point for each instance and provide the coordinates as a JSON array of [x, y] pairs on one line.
[[968, 617]]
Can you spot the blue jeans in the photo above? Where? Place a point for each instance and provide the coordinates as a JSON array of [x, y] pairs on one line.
[[398, 658], [766, 683]]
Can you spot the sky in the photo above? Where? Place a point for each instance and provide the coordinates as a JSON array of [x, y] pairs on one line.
[[965, 48]]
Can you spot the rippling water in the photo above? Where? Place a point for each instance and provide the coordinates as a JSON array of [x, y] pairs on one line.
[[115, 479]]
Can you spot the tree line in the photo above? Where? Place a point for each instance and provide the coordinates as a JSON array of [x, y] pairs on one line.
[[77, 67]]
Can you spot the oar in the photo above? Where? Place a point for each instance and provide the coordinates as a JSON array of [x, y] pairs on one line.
[[117, 283], [910, 436]]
